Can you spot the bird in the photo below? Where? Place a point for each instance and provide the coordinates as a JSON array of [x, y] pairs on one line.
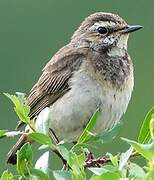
[[93, 71]]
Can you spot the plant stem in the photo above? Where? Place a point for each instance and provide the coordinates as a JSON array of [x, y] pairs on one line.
[[101, 161]]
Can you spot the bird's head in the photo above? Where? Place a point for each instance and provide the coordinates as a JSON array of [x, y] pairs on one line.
[[104, 32]]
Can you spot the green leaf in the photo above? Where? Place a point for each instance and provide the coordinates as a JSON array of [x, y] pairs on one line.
[[24, 160], [149, 176], [63, 175], [152, 129], [98, 171], [77, 162], [39, 173], [2, 133], [107, 136], [107, 176], [146, 150], [103, 170], [91, 124], [114, 159], [77, 176], [21, 97], [21, 108], [144, 135], [135, 171], [43, 162], [40, 138], [124, 158], [64, 152], [7, 175], [13, 133]]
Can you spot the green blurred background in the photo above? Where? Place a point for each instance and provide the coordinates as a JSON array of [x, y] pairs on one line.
[[31, 31]]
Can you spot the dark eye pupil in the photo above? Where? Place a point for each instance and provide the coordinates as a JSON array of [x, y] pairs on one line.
[[102, 30]]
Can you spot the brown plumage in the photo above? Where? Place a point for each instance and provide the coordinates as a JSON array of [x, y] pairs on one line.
[[93, 68], [53, 82]]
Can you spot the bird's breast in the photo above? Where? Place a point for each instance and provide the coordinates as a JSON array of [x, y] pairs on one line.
[[70, 114]]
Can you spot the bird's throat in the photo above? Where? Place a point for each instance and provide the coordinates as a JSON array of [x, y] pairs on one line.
[[116, 51]]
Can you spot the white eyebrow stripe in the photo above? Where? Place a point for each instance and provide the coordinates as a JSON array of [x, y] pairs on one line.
[[103, 24]]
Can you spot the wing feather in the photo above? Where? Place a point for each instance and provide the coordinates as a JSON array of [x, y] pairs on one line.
[[54, 81]]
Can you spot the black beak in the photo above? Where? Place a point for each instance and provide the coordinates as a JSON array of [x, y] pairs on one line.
[[132, 28]]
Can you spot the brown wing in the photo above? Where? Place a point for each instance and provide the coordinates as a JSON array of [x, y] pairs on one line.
[[54, 81]]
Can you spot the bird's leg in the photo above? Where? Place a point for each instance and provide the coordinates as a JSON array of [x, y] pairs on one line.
[[53, 136], [56, 141], [65, 167]]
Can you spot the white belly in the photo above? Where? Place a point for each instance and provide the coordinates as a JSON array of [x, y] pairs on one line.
[[69, 115]]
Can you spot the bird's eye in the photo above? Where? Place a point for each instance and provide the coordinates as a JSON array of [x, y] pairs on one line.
[[102, 30]]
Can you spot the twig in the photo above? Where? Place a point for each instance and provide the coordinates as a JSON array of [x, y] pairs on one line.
[[96, 162], [90, 161], [101, 161], [55, 139]]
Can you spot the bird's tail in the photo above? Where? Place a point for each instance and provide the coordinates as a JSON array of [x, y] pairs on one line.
[[11, 156]]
